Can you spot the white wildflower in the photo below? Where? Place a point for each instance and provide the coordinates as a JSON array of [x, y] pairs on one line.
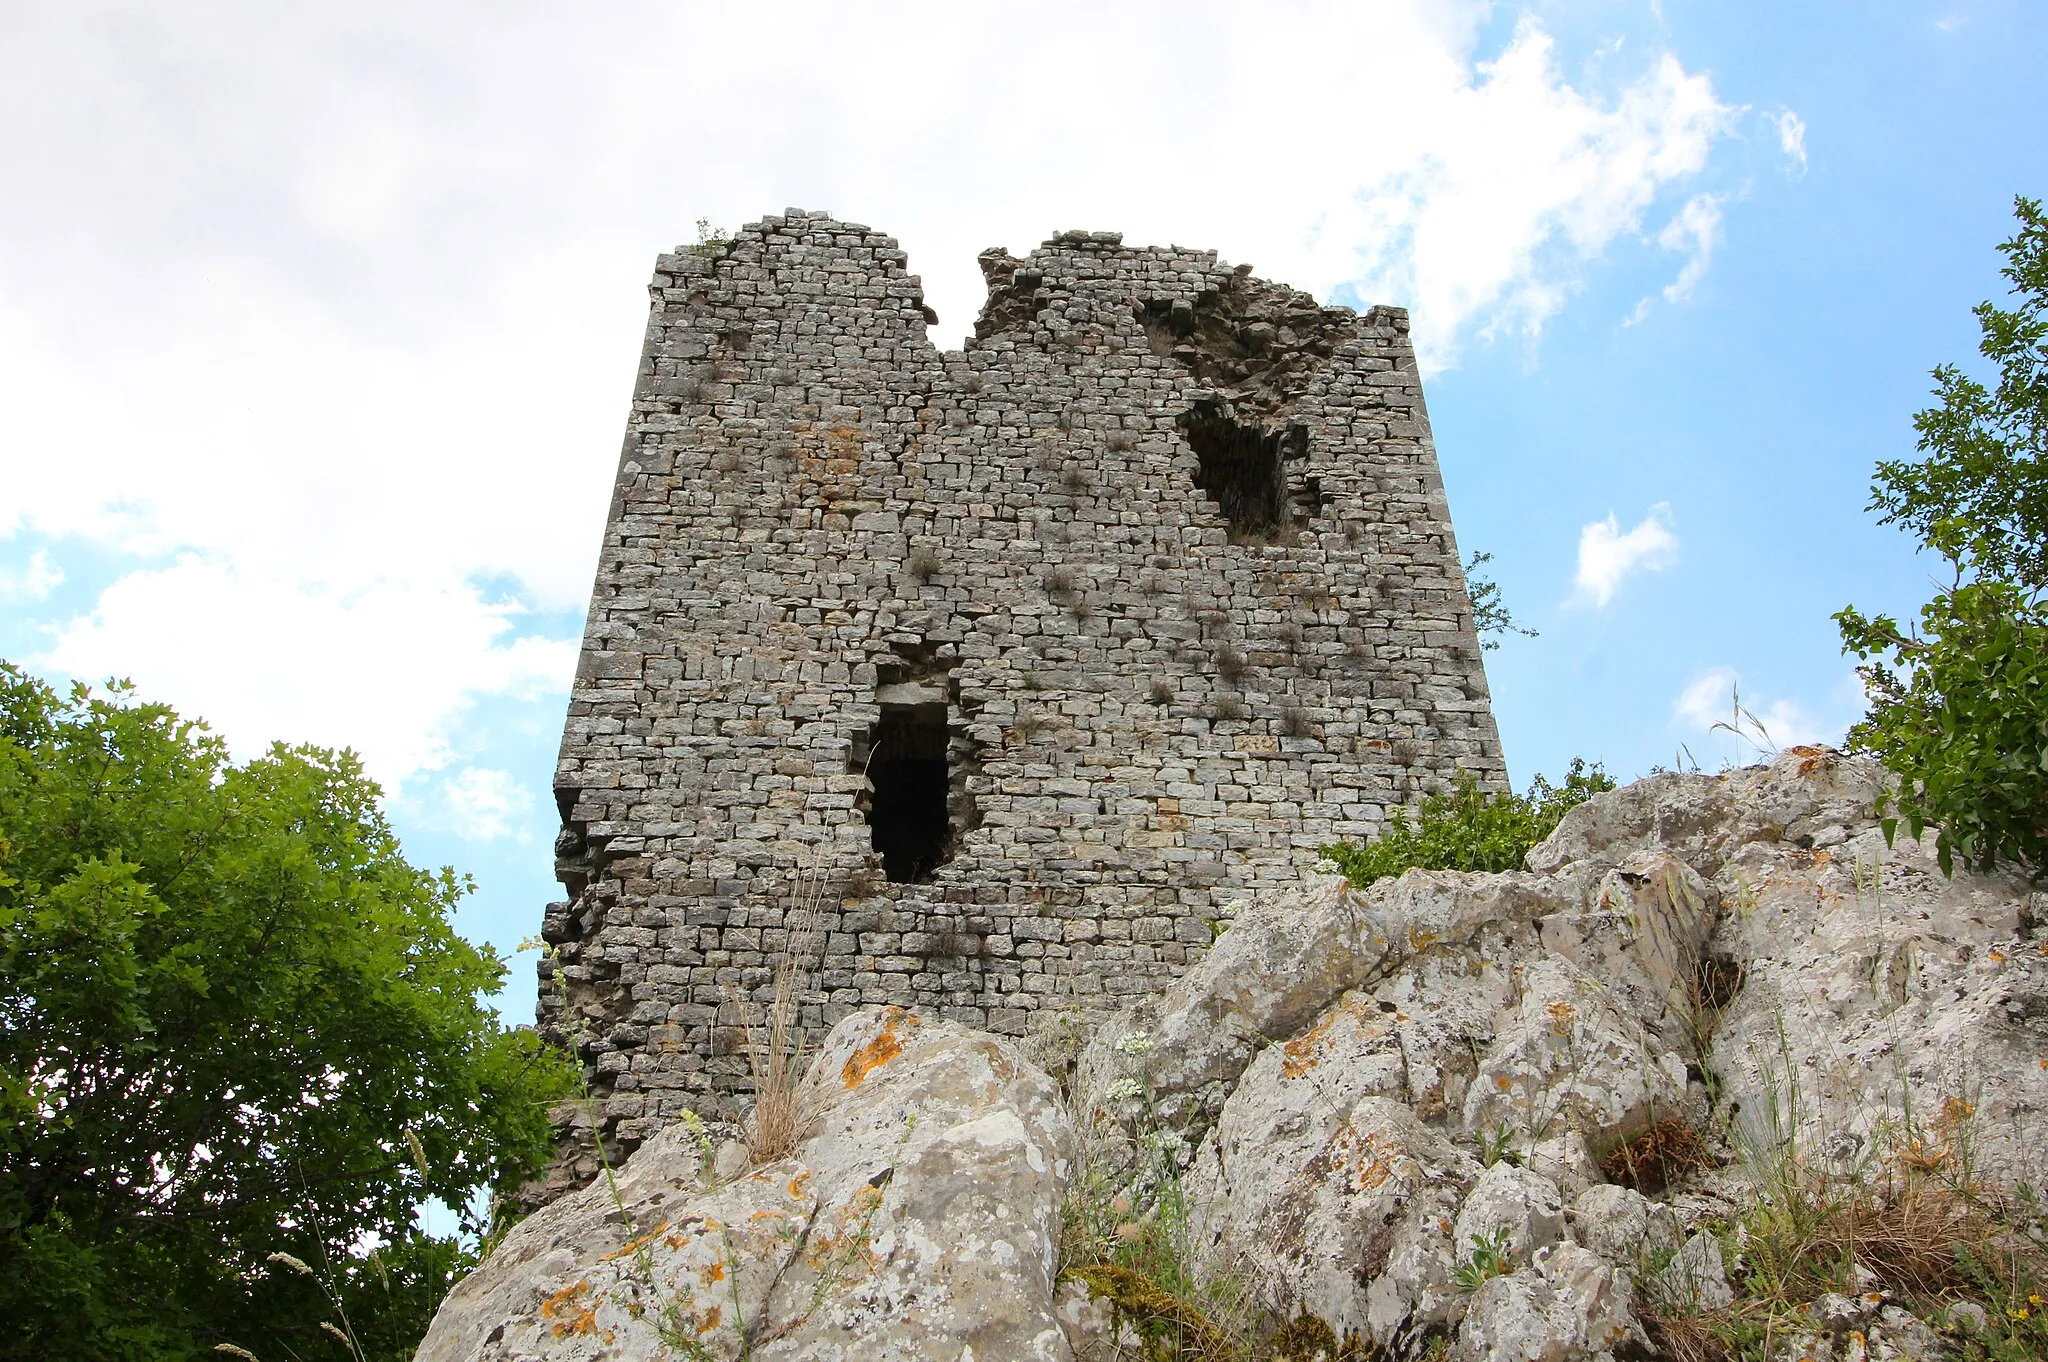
[[1125, 1090], [1168, 1147], [1136, 1043]]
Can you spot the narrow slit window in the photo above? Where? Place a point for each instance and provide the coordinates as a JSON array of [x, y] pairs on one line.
[[907, 812]]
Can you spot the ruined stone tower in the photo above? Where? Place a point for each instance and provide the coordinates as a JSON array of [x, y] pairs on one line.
[[1011, 668]]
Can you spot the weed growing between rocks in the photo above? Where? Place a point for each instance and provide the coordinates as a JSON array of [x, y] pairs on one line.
[[1469, 829], [785, 1106], [1491, 1257], [1125, 1231], [1908, 1240]]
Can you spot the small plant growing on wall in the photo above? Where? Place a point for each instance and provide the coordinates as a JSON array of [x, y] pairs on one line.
[[925, 566], [1231, 664], [1161, 692], [1225, 708], [1029, 727], [1121, 443], [1076, 478], [1295, 722], [1060, 583], [712, 242]]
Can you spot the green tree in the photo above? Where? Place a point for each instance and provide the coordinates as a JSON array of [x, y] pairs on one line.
[[239, 1045], [1959, 705]]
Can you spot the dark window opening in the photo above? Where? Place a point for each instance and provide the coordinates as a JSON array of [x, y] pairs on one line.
[[1242, 469], [907, 813]]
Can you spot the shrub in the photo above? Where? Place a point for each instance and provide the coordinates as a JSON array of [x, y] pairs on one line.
[[1469, 829]]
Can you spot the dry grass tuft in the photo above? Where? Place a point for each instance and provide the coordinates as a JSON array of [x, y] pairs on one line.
[[1914, 1223], [1658, 1157], [778, 1049]]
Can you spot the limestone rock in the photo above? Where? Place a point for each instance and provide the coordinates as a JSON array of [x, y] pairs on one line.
[[1899, 1334], [1514, 1202], [918, 1220], [1643, 937], [1288, 954], [1339, 1204], [1566, 1160], [1622, 1225], [1872, 986], [1569, 1057], [1569, 1303], [1696, 1279]]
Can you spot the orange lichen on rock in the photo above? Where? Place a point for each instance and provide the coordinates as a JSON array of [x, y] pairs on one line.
[[1304, 1052], [633, 1246], [875, 1053], [569, 1312]]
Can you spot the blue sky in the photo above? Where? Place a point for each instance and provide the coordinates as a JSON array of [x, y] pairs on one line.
[[317, 323]]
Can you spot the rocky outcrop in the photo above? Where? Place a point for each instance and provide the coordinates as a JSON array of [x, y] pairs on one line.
[[1399, 1111], [918, 1220], [1737, 960]]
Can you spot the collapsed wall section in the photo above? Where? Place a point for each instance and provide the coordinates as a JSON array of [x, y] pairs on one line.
[[1011, 668]]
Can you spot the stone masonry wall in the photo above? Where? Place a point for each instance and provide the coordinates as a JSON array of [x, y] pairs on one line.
[[1159, 565]]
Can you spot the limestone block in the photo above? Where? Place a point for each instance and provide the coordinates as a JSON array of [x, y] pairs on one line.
[[1344, 1211], [1513, 1207], [917, 1219], [1568, 1304]]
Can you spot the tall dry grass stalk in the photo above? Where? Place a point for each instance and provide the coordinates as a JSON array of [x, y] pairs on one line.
[[778, 1047]]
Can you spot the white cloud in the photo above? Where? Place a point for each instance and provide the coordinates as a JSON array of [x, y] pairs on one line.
[[1791, 137], [33, 581], [1608, 554], [1488, 227], [385, 667], [1696, 231], [379, 342], [1708, 706], [482, 803]]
